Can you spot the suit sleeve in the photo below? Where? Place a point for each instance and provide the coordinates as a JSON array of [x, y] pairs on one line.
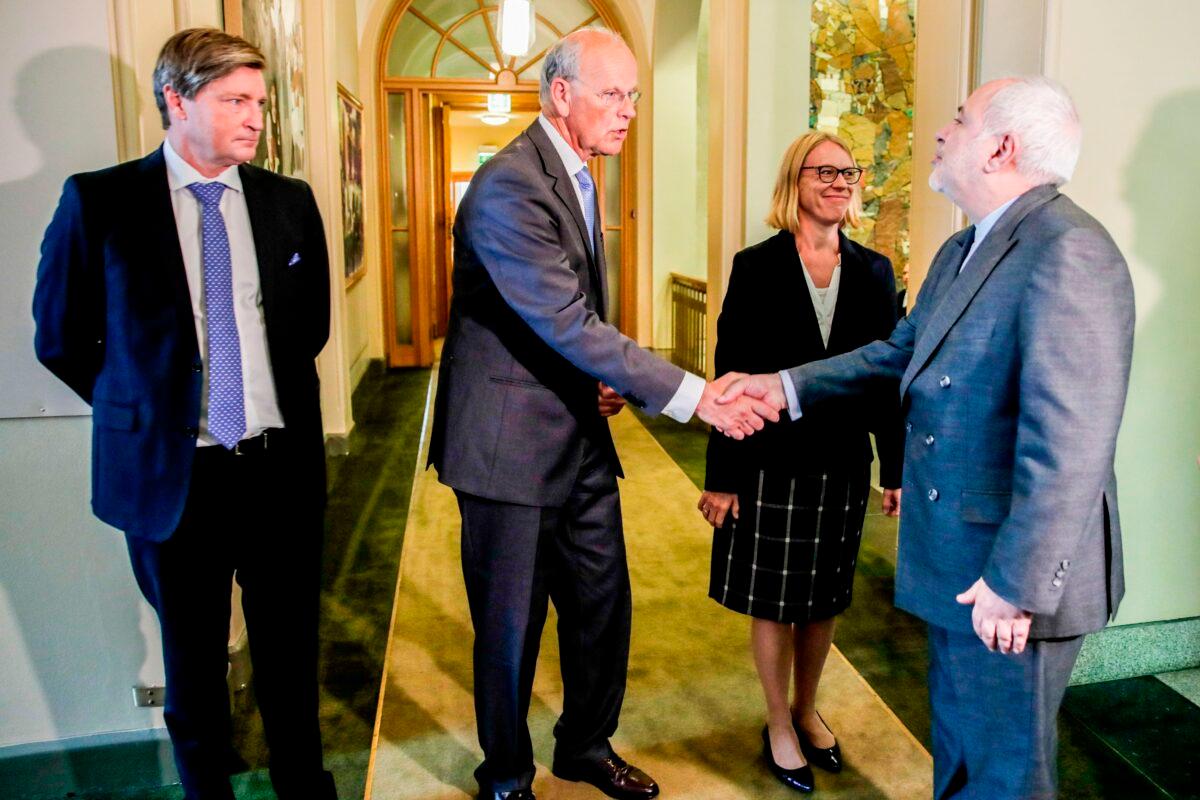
[[726, 458], [68, 300], [887, 421], [1075, 336], [317, 292], [519, 246]]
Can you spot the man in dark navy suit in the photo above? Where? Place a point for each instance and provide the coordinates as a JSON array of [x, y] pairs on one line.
[[185, 296]]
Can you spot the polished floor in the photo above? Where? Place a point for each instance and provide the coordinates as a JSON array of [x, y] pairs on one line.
[[1128, 739]]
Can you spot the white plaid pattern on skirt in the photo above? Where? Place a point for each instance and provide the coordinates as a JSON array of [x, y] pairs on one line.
[[791, 556]]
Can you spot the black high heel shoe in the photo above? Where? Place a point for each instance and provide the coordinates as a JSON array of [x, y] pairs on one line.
[[827, 758], [800, 779]]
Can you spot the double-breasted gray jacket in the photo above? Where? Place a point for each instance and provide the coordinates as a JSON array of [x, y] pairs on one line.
[[527, 341], [1013, 377]]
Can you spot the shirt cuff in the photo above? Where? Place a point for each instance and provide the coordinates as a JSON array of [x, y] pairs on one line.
[[686, 398], [789, 391]]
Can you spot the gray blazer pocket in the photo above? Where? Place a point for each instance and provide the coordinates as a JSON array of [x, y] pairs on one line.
[[987, 508], [518, 382], [114, 416]]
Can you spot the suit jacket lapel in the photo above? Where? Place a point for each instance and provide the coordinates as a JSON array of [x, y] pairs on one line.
[[161, 216], [264, 249], [793, 270], [565, 190], [849, 288], [963, 288]]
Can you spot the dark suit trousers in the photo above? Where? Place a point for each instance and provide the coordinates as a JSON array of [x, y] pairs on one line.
[[995, 716], [242, 518], [514, 559]]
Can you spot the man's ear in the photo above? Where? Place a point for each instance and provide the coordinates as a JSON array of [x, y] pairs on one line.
[[560, 96], [175, 109], [1005, 154]]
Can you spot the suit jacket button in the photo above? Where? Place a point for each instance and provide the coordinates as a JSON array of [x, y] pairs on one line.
[[933, 495], [908, 427], [929, 439], [197, 366], [1057, 582], [1065, 563], [1058, 573], [192, 432], [944, 382]]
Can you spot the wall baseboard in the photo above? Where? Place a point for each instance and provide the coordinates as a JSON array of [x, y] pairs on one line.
[[1148, 648]]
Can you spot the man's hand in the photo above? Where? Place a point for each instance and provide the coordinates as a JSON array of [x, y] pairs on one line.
[[715, 505], [998, 623], [611, 402], [768, 388], [891, 502], [739, 416]]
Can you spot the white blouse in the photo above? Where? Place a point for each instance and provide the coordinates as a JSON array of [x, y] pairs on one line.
[[824, 300]]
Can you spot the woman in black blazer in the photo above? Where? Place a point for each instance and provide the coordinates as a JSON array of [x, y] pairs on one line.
[[788, 503]]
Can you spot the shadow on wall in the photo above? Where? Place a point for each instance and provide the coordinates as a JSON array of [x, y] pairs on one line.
[[79, 633], [1161, 431]]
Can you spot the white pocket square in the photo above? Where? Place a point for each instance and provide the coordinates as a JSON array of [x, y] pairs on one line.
[[294, 260]]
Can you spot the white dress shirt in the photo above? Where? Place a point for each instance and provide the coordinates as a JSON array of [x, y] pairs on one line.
[[258, 385], [983, 228], [687, 397]]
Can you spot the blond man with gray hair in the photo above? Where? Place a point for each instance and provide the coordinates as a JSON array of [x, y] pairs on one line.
[[185, 296], [1012, 371]]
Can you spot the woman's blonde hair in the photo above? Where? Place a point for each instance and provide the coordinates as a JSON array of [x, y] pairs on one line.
[[785, 201]]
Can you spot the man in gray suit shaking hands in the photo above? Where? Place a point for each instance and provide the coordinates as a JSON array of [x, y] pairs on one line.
[[530, 370], [1012, 370]]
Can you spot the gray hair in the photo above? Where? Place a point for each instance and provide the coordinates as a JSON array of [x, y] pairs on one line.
[[1042, 116], [562, 60], [195, 57]]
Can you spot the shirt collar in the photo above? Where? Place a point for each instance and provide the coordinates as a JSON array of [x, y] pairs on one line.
[[180, 174], [987, 223], [570, 158]]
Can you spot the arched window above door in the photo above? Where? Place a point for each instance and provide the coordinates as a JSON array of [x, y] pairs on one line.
[[457, 39]]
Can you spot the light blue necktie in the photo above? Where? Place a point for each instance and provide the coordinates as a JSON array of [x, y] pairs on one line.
[[587, 188], [226, 402]]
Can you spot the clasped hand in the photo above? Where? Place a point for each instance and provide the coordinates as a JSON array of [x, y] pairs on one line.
[[736, 414], [998, 623]]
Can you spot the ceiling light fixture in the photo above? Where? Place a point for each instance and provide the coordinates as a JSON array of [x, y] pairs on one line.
[[493, 119], [516, 22]]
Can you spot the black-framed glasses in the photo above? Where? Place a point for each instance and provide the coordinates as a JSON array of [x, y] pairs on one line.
[[828, 173], [613, 97]]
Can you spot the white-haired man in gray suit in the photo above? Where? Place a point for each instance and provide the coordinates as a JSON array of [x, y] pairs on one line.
[[1012, 370], [530, 372]]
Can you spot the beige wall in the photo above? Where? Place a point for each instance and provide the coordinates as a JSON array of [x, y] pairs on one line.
[[1135, 76], [777, 96], [678, 245], [465, 140]]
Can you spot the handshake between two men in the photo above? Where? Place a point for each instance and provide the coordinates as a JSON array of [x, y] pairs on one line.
[[737, 404]]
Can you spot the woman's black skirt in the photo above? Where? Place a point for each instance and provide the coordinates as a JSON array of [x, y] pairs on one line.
[[791, 555]]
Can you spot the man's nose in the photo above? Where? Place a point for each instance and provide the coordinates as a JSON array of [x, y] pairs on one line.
[[255, 120]]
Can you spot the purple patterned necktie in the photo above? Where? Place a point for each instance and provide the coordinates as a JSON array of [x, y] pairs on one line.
[[226, 402], [587, 188]]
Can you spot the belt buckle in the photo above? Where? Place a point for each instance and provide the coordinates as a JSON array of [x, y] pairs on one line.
[[237, 448]]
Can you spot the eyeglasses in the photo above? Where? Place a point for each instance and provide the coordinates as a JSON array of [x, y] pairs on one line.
[[613, 97], [828, 174]]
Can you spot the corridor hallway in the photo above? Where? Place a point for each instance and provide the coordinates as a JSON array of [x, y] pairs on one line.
[[692, 710]]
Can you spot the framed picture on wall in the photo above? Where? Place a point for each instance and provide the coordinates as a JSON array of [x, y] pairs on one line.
[[351, 133], [274, 26]]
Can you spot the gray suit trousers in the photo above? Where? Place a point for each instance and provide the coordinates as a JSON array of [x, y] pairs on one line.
[[517, 557], [995, 716]]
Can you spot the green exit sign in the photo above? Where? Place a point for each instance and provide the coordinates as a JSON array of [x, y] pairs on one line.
[[483, 158]]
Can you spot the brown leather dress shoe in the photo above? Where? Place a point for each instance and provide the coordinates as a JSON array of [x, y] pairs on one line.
[[613, 776]]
